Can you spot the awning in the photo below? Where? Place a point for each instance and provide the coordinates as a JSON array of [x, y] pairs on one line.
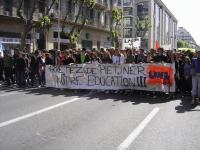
[[5, 40]]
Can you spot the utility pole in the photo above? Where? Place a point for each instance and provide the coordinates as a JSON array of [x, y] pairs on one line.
[[59, 9]]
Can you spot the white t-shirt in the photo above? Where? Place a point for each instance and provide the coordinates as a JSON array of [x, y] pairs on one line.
[[118, 59]]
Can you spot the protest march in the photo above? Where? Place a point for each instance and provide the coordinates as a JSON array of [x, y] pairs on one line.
[[167, 71]]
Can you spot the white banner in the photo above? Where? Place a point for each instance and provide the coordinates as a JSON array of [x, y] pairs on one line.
[[149, 77], [131, 43]]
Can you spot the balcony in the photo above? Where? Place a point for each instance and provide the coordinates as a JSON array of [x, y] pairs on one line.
[[103, 4], [93, 23], [98, 25]]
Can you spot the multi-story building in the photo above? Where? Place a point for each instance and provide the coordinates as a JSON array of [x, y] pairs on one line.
[[96, 34], [163, 31], [129, 18], [10, 26], [184, 35]]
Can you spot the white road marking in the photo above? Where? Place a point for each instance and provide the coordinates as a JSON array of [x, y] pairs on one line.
[[12, 121], [127, 142], [10, 93]]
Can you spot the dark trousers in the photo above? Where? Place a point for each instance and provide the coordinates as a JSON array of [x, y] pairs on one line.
[[1, 75], [43, 77], [33, 76], [8, 75], [187, 85], [20, 78]]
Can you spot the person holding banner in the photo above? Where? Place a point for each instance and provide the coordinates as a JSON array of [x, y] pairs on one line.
[[141, 57], [106, 57], [118, 58], [130, 57]]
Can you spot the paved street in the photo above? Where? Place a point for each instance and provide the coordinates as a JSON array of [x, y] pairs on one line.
[[49, 119]]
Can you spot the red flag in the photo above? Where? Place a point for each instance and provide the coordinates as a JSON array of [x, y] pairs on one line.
[[157, 46]]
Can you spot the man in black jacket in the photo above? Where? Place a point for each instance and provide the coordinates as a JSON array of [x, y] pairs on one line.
[[20, 70], [160, 57]]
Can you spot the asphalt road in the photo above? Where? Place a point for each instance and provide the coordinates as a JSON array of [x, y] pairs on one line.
[[49, 119]]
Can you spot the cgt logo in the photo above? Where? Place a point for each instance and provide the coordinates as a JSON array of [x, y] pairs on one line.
[[160, 75]]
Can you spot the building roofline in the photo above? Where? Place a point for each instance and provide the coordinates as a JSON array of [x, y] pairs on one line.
[[167, 9]]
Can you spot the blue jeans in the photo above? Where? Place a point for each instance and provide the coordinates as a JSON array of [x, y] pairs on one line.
[[196, 86]]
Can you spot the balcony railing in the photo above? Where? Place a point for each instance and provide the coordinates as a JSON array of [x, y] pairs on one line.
[[102, 3], [97, 24]]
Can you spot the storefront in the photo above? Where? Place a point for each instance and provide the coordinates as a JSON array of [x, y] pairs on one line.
[[9, 44]]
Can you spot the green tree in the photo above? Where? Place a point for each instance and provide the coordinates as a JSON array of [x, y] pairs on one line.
[[142, 26], [26, 10], [183, 44], [79, 21], [117, 16]]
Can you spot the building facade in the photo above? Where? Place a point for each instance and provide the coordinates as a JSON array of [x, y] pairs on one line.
[[10, 26], [129, 18], [163, 31], [96, 34], [184, 35]]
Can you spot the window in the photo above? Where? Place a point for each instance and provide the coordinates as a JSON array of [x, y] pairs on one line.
[[128, 21], [142, 10], [128, 11], [92, 14], [99, 17], [157, 23], [106, 3], [106, 19], [69, 6], [127, 2], [128, 33], [62, 36], [8, 6], [98, 45], [41, 6], [167, 22], [27, 6]]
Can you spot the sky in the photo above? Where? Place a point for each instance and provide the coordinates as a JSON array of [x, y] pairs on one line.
[[188, 14]]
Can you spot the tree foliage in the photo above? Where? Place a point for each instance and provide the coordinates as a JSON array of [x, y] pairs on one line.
[[27, 17], [46, 20], [183, 44], [79, 21], [142, 26], [117, 16]]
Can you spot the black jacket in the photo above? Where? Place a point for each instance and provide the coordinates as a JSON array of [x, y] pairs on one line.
[[20, 64], [48, 61], [1, 64]]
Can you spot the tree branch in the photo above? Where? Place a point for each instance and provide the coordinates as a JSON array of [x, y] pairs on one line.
[[77, 17], [52, 4], [33, 10], [67, 14], [19, 13]]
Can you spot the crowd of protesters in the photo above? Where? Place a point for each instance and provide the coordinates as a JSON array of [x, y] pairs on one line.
[[29, 69]]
